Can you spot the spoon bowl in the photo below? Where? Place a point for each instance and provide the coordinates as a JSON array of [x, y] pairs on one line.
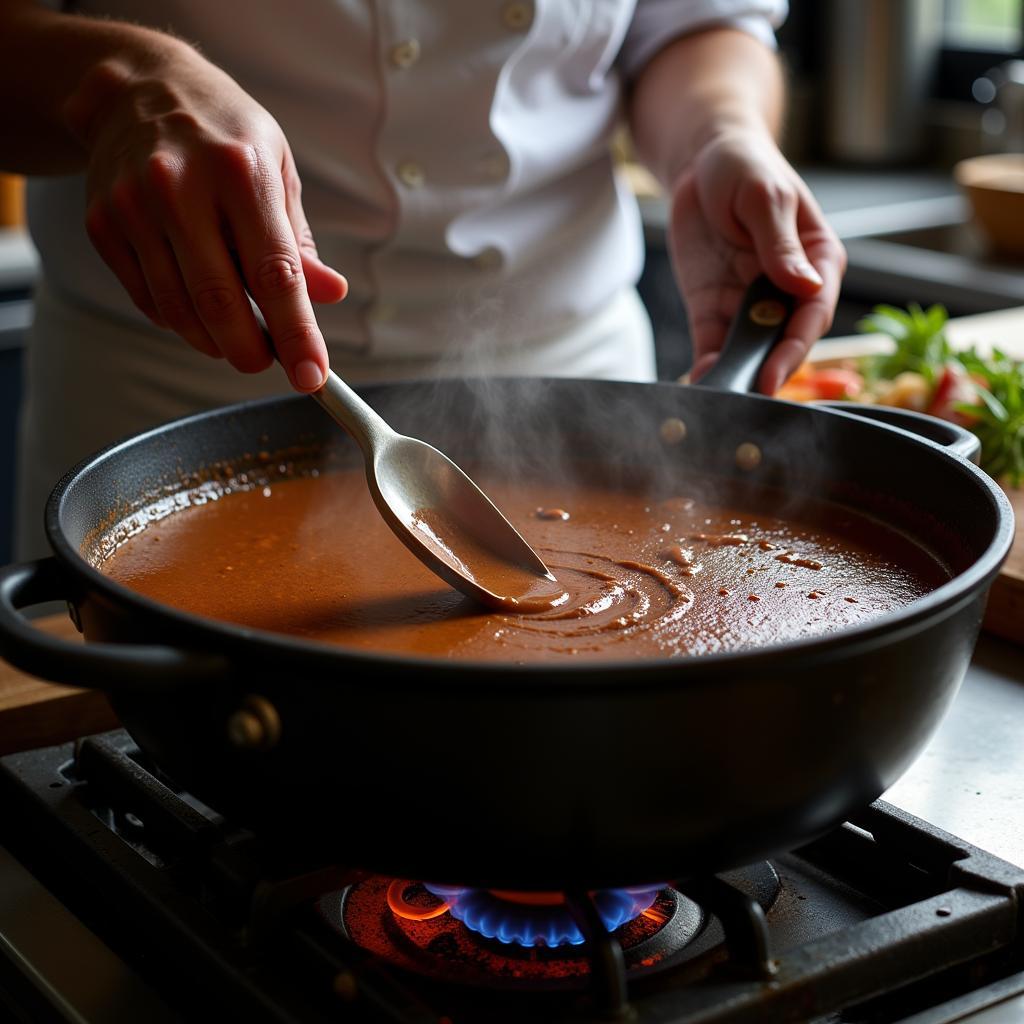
[[437, 511]]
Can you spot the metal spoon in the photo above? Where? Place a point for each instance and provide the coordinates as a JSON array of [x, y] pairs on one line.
[[440, 515]]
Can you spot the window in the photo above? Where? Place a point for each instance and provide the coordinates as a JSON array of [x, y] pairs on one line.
[[977, 35], [983, 24]]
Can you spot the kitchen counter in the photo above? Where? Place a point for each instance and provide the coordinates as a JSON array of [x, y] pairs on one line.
[[856, 203], [970, 778], [908, 238]]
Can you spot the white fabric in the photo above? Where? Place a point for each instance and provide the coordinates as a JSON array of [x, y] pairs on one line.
[[455, 167], [466, 191], [78, 358]]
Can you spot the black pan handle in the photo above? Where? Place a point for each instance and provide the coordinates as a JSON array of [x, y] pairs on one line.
[[117, 668], [949, 435], [757, 327]]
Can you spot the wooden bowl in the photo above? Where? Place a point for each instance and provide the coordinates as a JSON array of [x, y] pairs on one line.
[[994, 185]]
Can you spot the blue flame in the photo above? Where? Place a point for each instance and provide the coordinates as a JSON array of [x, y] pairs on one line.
[[534, 925]]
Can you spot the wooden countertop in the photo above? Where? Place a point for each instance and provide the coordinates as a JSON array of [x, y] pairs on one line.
[[34, 713]]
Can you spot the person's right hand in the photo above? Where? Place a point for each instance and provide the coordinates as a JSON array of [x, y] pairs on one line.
[[194, 200]]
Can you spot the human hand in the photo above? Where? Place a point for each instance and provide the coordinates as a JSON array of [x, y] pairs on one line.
[[740, 210], [193, 202]]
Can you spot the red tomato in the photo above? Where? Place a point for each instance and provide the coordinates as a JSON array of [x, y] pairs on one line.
[[954, 388], [836, 382]]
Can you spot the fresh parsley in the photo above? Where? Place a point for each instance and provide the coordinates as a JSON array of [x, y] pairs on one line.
[[921, 347]]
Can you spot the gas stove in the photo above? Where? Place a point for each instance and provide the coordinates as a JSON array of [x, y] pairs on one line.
[[124, 899]]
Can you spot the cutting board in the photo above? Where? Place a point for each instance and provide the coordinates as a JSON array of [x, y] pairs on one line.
[[1005, 612], [1003, 329], [36, 714]]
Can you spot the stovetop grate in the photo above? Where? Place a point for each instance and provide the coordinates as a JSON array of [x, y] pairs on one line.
[[880, 919]]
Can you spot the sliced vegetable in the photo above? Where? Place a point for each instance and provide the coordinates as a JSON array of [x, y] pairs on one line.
[[985, 394], [837, 382], [955, 397]]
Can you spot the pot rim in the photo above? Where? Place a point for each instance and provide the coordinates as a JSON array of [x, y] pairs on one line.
[[212, 633]]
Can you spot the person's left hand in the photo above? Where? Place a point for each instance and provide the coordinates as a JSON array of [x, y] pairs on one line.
[[740, 210]]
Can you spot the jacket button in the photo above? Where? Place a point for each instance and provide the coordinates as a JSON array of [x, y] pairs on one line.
[[488, 259], [410, 173], [404, 55], [517, 16]]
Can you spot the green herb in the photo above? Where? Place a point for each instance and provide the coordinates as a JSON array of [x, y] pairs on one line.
[[999, 381], [922, 347]]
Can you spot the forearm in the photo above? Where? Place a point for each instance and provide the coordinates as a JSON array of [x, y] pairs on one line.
[[699, 87], [76, 65]]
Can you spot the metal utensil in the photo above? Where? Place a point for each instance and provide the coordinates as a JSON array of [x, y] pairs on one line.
[[440, 515]]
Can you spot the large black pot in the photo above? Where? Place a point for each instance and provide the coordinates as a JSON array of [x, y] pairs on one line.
[[544, 775]]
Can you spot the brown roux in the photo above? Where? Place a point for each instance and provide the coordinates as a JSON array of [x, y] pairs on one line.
[[644, 577]]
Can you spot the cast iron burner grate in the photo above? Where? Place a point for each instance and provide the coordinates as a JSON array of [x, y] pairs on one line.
[[884, 919]]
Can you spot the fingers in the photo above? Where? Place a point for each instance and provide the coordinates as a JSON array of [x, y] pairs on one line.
[[710, 312], [126, 234], [168, 235], [218, 298], [189, 271], [171, 295], [768, 210], [812, 317], [115, 250], [273, 269], [742, 211]]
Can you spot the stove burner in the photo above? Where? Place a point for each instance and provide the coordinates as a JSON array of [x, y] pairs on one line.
[[537, 919], [411, 926]]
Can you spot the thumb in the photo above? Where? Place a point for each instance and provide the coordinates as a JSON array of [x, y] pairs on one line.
[[323, 283]]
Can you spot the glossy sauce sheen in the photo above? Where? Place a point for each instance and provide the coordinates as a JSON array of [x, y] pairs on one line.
[[506, 586], [645, 577]]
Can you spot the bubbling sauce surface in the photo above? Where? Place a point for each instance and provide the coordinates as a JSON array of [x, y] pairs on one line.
[[646, 576]]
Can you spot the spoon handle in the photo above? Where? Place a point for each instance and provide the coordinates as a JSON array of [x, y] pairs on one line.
[[370, 431]]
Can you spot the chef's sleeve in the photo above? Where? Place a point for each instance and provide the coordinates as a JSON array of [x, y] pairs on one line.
[[657, 22]]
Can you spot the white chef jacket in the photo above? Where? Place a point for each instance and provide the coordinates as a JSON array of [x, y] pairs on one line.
[[455, 167], [453, 154]]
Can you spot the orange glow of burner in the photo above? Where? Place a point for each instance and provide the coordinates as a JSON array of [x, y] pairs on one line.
[[401, 907], [655, 915], [531, 899]]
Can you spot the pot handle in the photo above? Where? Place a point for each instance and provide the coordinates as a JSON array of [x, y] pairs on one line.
[[117, 668], [956, 438], [757, 326]]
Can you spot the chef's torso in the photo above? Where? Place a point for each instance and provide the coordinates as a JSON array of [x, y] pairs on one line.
[[454, 156]]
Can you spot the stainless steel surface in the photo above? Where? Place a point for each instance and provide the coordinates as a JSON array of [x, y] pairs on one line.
[[970, 779], [889, 217], [1009, 1012], [70, 968], [431, 505], [881, 58]]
